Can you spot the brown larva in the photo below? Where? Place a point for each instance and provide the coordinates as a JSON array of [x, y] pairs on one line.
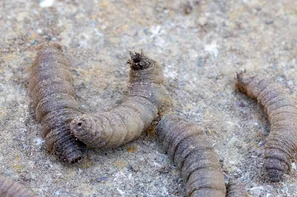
[[127, 121], [9, 188], [280, 107], [192, 153], [236, 189], [52, 96]]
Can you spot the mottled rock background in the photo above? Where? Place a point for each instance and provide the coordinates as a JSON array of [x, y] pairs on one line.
[[200, 44]]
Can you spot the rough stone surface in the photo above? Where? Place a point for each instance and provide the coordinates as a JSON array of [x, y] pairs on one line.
[[200, 44]]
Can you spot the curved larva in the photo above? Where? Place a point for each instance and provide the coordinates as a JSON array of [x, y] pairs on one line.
[[281, 109], [127, 121], [191, 152], [9, 188], [236, 189], [52, 97]]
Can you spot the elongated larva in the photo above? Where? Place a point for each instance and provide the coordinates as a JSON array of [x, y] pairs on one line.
[[9, 188], [281, 144], [191, 152], [52, 96], [127, 121], [236, 189]]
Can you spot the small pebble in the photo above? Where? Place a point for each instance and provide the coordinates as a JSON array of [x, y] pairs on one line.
[[202, 21], [134, 167], [101, 179]]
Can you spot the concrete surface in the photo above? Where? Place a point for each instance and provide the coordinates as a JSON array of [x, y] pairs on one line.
[[200, 44]]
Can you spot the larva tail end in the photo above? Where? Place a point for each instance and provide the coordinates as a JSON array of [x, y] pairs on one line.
[[44, 49], [88, 131], [139, 61], [80, 126], [74, 158], [236, 189], [275, 169], [274, 175]]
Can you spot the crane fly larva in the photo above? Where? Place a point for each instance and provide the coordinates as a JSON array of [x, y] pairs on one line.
[[236, 189], [9, 188], [281, 145], [127, 121], [189, 149], [52, 97]]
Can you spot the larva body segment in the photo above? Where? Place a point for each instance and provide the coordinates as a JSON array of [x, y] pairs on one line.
[[236, 189], [192, 153], [9, 188], [44, 88], [127, 121], [42, 71], [52, 97], [281, 145]]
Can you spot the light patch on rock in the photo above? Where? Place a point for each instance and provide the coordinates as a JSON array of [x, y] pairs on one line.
[[46, 3], [212, 48]]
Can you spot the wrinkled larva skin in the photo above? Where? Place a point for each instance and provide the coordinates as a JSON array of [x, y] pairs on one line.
[[9, 188], [52, 96], [127, 121], [236, 189], [280, 107], [191, 152]]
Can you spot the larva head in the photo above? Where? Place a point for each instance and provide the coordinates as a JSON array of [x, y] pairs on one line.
[[139, 61], [51, 46], [88, 131], [242, 80], [144, 69]]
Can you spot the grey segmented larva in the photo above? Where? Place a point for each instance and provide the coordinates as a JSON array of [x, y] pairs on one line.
[[126, 122], [236, 189], [9, 188], [188, 147], [281, 145], [52, 96]]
